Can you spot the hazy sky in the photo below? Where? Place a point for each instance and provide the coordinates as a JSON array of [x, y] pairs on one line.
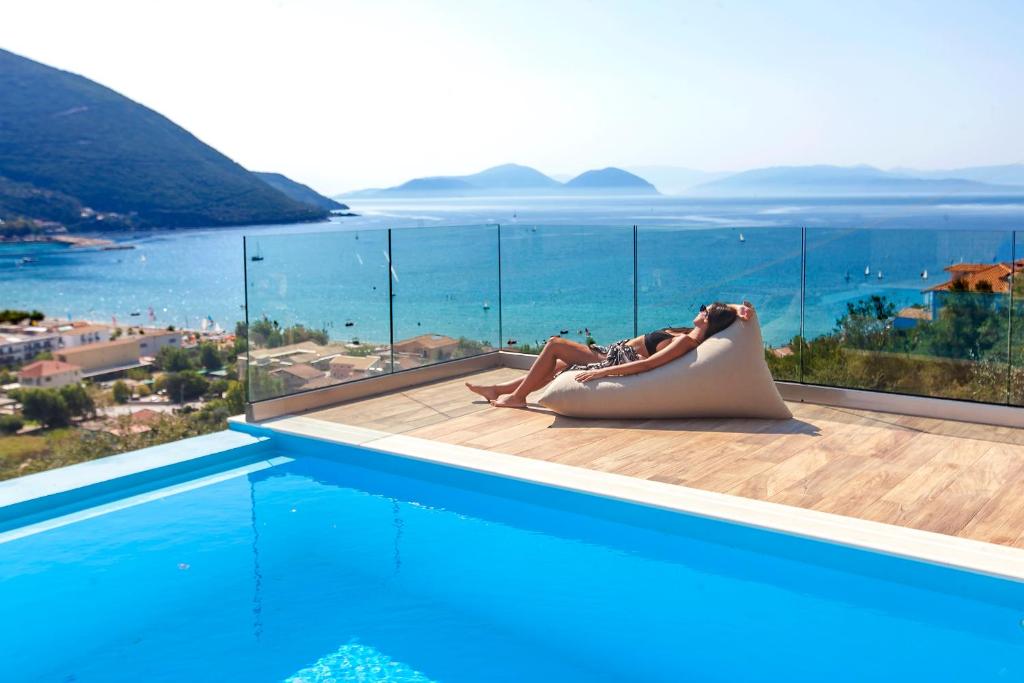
[[345, 95]]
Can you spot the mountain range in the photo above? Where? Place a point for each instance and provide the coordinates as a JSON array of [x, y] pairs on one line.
[[775, 181], [72, 150], [513, 179]]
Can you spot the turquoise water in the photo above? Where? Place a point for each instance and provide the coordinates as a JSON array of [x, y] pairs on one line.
[[348, 565], [554, 278]]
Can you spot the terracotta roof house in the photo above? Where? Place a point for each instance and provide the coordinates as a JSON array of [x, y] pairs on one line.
[[982, 278], [49, 374]]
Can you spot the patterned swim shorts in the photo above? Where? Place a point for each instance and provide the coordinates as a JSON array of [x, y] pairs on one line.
[[618, 353]]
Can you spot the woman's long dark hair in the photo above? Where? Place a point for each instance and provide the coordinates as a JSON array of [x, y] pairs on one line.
[[720, 316]]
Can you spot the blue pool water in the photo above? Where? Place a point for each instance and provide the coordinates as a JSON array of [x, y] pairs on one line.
[[347, 565]]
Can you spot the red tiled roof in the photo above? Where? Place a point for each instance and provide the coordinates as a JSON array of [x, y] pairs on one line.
[[45, 368], [996, 274]]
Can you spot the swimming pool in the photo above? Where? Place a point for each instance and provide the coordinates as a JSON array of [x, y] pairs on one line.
[[305, 560]]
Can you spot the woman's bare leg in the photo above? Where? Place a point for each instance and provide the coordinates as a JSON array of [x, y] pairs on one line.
[[556, 354], [493, 391]]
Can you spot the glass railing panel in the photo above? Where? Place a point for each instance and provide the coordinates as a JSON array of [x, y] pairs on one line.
[[445, 286], [922, 312], [678, 269], [317, 306], [570, 281]]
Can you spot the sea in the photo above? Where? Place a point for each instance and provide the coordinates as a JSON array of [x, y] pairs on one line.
[[520, 269]]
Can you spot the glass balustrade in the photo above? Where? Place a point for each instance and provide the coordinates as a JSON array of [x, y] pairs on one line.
[[445, 294], [913, 311], [571, 281], [317, 311], [921, 312], [680, 269]]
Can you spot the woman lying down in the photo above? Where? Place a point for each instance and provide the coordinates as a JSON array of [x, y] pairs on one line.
[[626, 357]]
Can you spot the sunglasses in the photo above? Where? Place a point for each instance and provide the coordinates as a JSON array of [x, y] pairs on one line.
[[703, 308]]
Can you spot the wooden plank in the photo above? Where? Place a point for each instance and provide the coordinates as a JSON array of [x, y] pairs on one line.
[[940, 475]]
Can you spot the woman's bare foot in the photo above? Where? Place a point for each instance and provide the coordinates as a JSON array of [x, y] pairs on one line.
[[508, 401], [488, 392]]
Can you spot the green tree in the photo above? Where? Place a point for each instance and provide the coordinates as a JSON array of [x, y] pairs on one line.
[[173, 359], [184, 386], [209, 356], [45, 406], [235, 398], [121, 392], [78, 400]]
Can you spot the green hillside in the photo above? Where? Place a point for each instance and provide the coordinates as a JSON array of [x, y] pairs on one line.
[[67, 139], [299, 192]]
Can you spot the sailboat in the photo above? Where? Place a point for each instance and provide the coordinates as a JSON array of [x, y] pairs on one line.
[[924, 274], [742, 238], [258, 256], [879, 275], [867, 271], [487, 306]]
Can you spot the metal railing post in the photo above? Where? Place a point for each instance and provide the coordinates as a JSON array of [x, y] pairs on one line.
[[803, 300], [501, 331], [391, 304], [636, 326]]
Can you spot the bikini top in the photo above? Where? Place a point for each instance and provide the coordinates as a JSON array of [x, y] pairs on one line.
[[652, 339]]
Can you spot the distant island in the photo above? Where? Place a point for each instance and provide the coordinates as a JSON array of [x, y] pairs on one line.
[[514, 179], [78, 154], [826, 181], [775, 181]]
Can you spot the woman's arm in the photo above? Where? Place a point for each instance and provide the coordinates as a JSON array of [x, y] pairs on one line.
[[678, 347]]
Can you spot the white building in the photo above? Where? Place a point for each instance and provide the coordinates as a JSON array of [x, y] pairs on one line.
[[22, 346], [152, 339], [49, 374]]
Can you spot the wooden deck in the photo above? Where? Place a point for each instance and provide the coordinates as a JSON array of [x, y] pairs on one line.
[[949, 477]]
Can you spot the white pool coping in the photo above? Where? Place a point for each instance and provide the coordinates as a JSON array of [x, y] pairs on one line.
[[941, 549], [78, 476]]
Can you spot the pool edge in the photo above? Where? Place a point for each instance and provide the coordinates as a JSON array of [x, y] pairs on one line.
[[980, 557]]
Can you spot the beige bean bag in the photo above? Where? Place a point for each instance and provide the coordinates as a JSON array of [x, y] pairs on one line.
[[726, 376]]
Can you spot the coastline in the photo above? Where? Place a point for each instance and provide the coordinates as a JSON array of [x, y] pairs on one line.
[[70, 240]]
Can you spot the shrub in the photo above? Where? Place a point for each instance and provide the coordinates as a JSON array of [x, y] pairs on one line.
[[121, 392], [10, 424]]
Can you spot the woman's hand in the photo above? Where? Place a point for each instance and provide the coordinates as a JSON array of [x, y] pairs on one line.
[[588, 375], [745, 311]]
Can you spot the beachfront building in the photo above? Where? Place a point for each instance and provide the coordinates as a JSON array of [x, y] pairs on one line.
[[81, 333], [426, 348], [346, 368], [982, 278], [103, 358], [20, 345], [49, 374], [152, 339]]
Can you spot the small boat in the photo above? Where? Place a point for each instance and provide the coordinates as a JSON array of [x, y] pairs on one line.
[[867, 271], [512, 342], [355, 341], [117, 247], [24, 260], [742, 238], [258, 256], [142, 258], [487, 306], [135, 313], [924, 274], [563, 332], [349, 323], [879, 275], [847, 276]]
